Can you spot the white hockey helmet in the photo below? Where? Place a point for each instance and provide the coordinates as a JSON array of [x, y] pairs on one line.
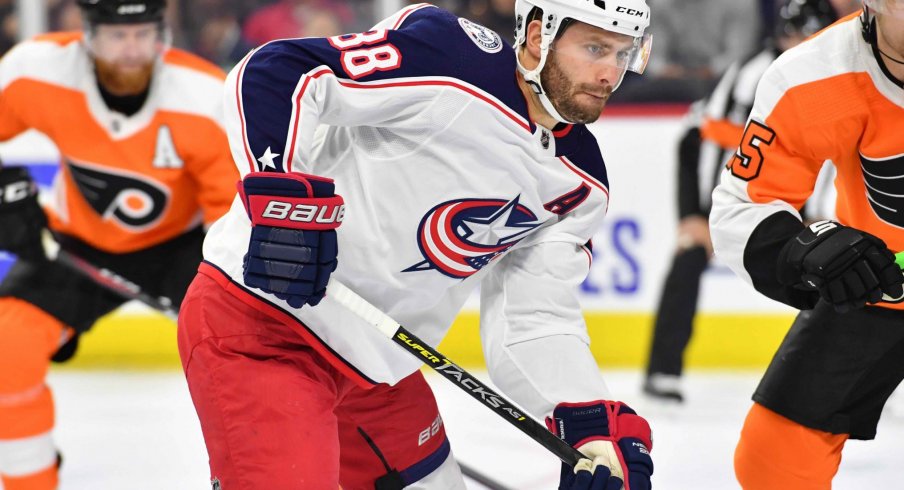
[[627, 17]]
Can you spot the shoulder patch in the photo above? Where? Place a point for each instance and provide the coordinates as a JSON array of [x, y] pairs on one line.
[[485, 38]]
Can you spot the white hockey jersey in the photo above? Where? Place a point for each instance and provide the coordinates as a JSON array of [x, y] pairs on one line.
[[447, 183]]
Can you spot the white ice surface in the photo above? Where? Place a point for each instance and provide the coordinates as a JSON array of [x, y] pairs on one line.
[[138, 431]]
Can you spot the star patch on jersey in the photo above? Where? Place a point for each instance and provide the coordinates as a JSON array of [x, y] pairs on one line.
[[485, 38], [460, 237]]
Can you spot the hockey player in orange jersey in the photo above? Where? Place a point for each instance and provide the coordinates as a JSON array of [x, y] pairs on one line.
[[838, 96], [145, 164]]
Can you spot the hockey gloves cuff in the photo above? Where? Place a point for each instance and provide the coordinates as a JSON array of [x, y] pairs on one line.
[[21, 217], [293, 248], [848, 267], [616, 441]]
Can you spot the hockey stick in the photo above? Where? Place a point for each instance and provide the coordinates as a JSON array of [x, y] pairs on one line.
[[451, 371], [129, 290], [105, 277]]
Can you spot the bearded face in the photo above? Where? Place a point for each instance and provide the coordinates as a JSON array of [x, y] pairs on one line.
[[124, 56], [124, 80], [576, 102]]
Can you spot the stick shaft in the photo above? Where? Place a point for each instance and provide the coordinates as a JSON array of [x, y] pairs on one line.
[[106, 278], [452, 372], [116, 283]]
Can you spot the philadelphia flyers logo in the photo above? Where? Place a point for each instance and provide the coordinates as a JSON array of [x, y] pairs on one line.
[[132, 200], [460, 237], [884, 179]]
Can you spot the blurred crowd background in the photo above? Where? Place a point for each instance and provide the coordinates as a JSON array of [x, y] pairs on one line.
[[694, 40]]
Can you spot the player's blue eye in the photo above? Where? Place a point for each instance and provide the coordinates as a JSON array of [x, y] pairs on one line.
[[594, 49]]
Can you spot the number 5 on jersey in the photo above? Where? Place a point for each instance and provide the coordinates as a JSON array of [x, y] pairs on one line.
[[747, 161], [363, 61]]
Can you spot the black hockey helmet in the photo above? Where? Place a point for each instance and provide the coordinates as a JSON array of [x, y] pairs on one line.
[[122, 11], [803, 17]]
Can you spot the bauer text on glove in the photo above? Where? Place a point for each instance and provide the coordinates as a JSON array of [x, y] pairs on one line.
[[293, 248]]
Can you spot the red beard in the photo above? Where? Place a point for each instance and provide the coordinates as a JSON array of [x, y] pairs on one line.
[[121, 82]]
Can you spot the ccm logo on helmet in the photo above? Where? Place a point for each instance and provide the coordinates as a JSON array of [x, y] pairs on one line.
[[626, 10], [137, 8], [304, 213]]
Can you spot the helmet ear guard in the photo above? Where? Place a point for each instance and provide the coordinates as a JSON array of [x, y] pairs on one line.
[[866, 23]]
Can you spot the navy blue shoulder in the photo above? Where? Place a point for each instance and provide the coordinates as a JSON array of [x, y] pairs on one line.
[[578, 145], [435, 42], [427, 43]]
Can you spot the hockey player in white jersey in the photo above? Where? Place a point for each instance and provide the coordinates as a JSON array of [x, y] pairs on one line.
[[459, 161]]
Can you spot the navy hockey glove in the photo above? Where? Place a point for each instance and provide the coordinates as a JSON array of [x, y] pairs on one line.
[[293, 237], [21, 217], [848, 267], [616, 441]]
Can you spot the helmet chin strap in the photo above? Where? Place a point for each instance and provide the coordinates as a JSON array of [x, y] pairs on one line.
[[871, 34], [532, 77], [900, 62]]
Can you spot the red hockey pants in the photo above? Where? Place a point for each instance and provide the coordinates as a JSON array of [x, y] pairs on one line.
[[276, 415]]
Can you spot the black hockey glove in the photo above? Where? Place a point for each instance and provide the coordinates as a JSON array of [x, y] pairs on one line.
[[293, 246], [848, 267], [21, 217]]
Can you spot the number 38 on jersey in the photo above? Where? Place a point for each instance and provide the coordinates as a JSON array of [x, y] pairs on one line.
[[360, 56]]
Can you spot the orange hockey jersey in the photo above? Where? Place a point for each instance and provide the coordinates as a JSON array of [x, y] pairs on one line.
[[125, 182], [826, 99]]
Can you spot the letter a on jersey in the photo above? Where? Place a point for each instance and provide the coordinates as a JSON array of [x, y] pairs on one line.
[[165, 155]]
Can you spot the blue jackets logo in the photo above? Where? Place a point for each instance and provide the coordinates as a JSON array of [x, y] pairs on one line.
[[460, 237], [485, 39]]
